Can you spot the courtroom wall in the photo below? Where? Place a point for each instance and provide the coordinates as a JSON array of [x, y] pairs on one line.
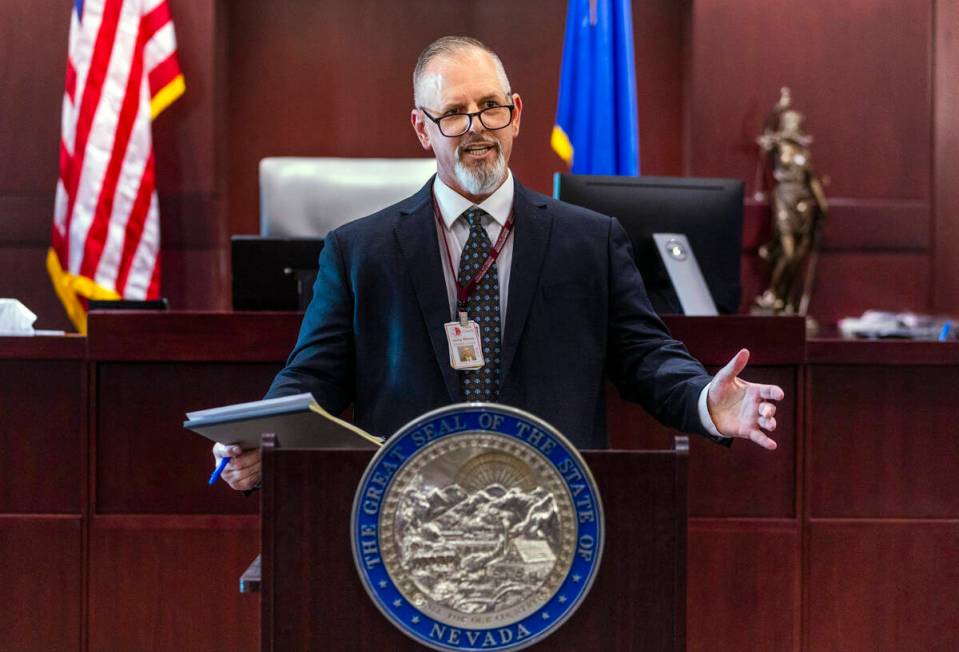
[[306, 77]]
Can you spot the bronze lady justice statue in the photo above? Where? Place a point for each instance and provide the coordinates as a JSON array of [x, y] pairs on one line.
[[798, 209]]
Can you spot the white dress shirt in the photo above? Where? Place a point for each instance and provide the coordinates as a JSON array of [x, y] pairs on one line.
[[456, 231]]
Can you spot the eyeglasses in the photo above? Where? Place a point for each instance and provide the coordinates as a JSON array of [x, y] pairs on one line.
[[457, 124]]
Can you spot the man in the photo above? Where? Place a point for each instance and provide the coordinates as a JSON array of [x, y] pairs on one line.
[[560, 307]]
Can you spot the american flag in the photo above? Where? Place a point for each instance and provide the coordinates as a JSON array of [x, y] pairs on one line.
[[122, 71]]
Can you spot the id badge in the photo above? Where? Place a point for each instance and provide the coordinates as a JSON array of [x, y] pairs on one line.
[[466, 350]]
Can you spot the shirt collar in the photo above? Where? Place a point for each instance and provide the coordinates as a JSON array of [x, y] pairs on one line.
[[452, 204]]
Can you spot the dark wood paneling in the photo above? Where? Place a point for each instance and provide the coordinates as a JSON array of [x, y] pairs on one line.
[[192, 221], [880, 225], [946, 161], [885, 352], [143, 447], [25, 219], [859, 70], [41, 579], [23, 275], [873, 231], [40, 455], [883, 586], [33, 47], [869, 108], [55, 347], [847, 284], [339, 87], [631, 605], [723, 481], [185, 135], [185, 336], [172, 584], [321, 102], [659, 38], [882, 441], [715, 340], [532, 57], [744, 586], [196, 279]]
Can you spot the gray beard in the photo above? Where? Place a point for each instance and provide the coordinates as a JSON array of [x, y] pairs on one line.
[[481, 180]]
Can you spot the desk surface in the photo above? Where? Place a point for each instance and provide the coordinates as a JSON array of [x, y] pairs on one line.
[[269, 336]]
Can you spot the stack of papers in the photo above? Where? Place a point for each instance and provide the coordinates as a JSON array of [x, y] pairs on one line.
[[895, 325]]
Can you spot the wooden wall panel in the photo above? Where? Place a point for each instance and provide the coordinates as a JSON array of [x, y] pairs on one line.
[[532, 57], [744, 586], [875, 225], [192, 337], [848, 283], [868, 106], [41, 456], [339, 87], [186, 134], [659, 34], [142, 445], [883, 586], [172, 584], [33, 47], [722, 482], [946, 161], [883, 442], [41, 575], [23, 276], [311, 93], [879, 235]]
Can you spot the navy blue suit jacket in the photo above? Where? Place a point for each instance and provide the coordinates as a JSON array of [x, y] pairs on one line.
[[577, 313]]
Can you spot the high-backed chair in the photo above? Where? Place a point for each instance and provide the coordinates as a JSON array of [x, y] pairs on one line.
[[308, 197]]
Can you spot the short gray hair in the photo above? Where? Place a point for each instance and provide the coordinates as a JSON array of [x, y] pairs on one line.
[[451, 46]]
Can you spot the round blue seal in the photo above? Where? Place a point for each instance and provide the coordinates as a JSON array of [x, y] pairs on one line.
[[477, 527]]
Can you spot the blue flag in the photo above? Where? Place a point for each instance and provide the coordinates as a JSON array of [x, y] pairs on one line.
[[597, 123]]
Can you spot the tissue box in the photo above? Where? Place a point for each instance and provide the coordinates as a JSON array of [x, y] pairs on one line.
[[15, 318]]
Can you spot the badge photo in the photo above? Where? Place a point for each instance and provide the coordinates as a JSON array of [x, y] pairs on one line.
[[466, 348]]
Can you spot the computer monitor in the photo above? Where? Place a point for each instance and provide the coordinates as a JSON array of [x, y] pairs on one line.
[[709, 212], [273, 273]]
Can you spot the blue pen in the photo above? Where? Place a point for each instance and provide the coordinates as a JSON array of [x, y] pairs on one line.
[[944, 333], [219, 469]]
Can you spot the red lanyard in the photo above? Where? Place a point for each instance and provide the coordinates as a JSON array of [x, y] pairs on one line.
[[463, 292]]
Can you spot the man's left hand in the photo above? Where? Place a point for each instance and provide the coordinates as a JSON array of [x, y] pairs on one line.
[[740, 408]]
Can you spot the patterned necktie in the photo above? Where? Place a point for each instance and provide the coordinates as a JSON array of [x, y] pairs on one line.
[[481, 384]]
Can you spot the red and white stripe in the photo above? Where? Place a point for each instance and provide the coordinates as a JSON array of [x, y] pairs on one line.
[[106, 234]]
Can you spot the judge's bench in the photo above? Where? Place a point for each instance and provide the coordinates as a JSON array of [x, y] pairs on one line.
[[844, 537]]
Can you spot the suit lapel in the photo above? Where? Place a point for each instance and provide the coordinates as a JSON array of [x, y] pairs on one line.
[[415, 231], [531, 235]]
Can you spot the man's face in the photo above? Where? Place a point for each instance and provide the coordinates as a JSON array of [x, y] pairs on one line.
[[475, 163]]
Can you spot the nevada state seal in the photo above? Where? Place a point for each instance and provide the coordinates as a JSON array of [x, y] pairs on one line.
[[477, 527]]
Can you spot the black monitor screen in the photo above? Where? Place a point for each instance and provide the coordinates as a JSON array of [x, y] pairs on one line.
[[709, 212], [273, 273]]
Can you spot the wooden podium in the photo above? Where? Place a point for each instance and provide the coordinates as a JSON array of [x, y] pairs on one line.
[[312, 598]]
